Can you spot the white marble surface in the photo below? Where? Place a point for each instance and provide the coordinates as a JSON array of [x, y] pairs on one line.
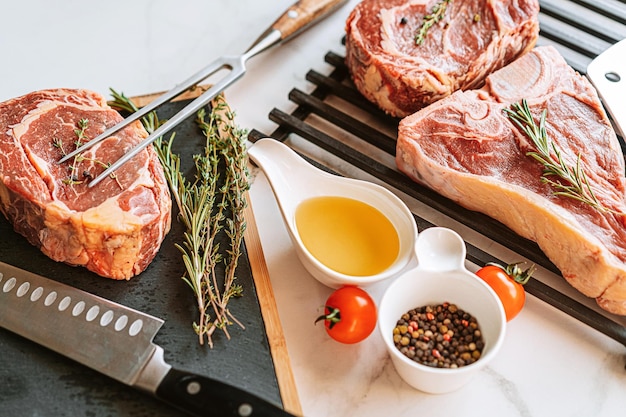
[[550, 364]]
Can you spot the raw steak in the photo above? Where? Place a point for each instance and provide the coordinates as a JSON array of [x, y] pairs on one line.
[[468, 150], [473, 39], [113, 229]]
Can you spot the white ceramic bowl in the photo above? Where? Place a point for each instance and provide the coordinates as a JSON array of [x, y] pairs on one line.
[[441, 276], [294, 180]]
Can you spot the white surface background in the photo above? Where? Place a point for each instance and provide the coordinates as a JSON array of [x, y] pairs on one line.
[[550, 365]]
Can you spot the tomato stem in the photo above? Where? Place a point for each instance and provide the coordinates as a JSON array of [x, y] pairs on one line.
[[333, 316], [519, 275]]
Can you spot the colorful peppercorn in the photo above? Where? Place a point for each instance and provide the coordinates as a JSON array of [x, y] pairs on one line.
[[441, 336]]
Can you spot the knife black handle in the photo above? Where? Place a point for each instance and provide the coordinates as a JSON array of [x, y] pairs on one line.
[[202, 396]]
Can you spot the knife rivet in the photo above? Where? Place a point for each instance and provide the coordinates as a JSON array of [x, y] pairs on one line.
[[292, 14], [193, 388], [613, 77], [245, 410]]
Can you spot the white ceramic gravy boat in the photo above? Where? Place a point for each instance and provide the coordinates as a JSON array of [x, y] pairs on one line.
[[294, 180]]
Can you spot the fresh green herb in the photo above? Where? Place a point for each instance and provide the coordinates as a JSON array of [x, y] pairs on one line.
[[80, 132], [74, 167], [58, 143], [150, 121], [86, 174], [573, 181], [80, 137], [210, 205], [436, 14], [72, 180]]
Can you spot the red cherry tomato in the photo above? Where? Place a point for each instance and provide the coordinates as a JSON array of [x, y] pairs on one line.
[[349, 315], [508, 282]]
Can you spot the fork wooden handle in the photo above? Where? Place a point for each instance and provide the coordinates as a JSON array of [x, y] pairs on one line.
[[303, 14]]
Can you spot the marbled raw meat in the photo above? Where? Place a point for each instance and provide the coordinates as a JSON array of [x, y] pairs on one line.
[[473, 39], [113, 229], [468, 150]]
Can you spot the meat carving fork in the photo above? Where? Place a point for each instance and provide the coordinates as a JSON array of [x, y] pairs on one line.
[[298, 17]]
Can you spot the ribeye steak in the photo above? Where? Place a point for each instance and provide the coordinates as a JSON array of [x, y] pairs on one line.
[[115, 228], [473, 39], [466, 148]]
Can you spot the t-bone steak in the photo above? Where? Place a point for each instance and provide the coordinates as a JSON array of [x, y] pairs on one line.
[[473, 39], [466, 148], [113, 229]]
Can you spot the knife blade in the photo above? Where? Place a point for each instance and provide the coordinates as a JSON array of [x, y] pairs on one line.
[[116, 341], [608, 75]]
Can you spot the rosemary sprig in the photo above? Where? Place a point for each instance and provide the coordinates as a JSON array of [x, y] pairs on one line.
[[210, 205], [572, 181], [436, 14]]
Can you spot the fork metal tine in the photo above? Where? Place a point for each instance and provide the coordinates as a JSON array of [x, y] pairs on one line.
[[192, 81], [190, 109], [237, 65]]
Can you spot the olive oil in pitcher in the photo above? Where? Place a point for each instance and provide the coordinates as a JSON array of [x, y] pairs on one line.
[[347, 235]]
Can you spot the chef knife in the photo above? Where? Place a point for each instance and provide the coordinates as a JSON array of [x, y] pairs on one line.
[[607, 72], [116, 341]]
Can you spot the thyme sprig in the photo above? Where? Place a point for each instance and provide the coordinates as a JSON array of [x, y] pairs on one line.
[[81, 136], [436, 15], [80, 132], [225, 146], [572, 181], [211, 204]]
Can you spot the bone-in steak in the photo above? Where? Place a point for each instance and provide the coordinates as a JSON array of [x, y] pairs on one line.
[[473, 39], [115, 228], [468, 150]]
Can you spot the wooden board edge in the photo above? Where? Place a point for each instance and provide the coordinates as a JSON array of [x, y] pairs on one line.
[[269, 311]]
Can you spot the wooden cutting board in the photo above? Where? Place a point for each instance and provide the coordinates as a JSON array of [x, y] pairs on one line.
[[36, 381]]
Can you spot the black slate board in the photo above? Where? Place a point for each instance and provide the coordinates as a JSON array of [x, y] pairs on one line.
[[35, 381]]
